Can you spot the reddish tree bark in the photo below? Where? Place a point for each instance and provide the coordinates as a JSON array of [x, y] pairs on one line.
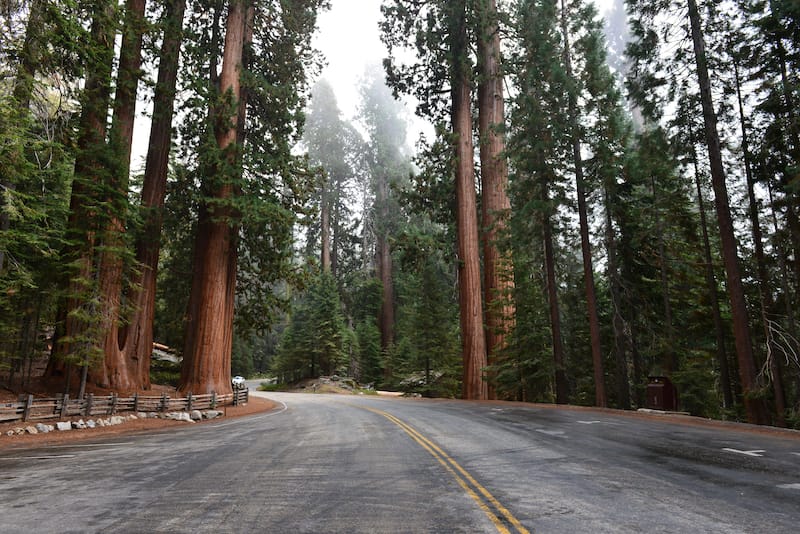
[[469, 273], [498, 281], [90, 172], [139, 333], [116, 372], [207, 354]]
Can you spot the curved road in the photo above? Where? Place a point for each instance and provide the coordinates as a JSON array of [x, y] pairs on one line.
[[371, 464]]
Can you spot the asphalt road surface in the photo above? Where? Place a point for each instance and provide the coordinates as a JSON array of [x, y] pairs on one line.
[[325, 463]]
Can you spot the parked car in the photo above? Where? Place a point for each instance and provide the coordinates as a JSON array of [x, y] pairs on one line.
[[238, 382]]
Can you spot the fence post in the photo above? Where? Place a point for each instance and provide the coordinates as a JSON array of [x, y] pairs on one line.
[[64, 403], [213, 400], [28, 404], [114, 399], [89, 403], [189, 402], [163, 407], [136, 402]]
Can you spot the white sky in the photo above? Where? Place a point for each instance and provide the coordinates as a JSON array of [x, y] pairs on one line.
[[349, 38]]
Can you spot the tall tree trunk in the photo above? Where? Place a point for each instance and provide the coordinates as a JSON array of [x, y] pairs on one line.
[[139, 333], [711, 283], [562, 387], [120, 374], [755, 407], [498, 280], [764, 291], [91, 173], [469, 272], [586, 248], [200, 249], [207, 359]]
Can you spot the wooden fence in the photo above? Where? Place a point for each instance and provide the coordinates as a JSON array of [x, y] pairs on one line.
[[37, 409]]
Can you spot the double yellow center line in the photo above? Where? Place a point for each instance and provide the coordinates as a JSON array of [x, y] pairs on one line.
[[496, 512]]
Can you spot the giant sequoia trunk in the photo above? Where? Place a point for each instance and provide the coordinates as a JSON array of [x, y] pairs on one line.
[[117, 371], [498, 279], [754, 406], [139, 332], [74, 343], [586, 248], [207, 353], [469, 272]]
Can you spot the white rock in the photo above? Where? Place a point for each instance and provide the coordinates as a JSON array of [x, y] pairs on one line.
[[64, 425], [79, 424], [132, 416], [212, 414], [31, 430], [42, 428], [91, 423], [101, 422], [116, 420], [179, 416], [10, 433], [141, 415], [196, 415]]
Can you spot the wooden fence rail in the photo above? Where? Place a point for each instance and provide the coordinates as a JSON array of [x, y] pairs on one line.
[[36, 409]]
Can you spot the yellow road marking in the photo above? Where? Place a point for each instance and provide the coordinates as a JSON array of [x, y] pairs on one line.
[[461, 475]]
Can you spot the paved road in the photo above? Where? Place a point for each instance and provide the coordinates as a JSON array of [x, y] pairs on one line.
[[366, 464]]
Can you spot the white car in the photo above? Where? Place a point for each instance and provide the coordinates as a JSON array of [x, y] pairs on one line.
[[238, 382]]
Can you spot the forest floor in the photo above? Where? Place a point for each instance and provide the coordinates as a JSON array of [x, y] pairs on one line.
[[43, 389]]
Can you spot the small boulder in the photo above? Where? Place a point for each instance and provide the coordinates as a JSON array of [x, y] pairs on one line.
[[31, 430], [141, 415], [80, 424], [180, 416], [116, 420], [101, 422], [196, 415], [10, 433], [91, 423], [64, 425], [212, 414], [42, 428]]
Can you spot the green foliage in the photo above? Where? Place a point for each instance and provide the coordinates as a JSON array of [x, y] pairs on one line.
[[314, 341], [165, 372]]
